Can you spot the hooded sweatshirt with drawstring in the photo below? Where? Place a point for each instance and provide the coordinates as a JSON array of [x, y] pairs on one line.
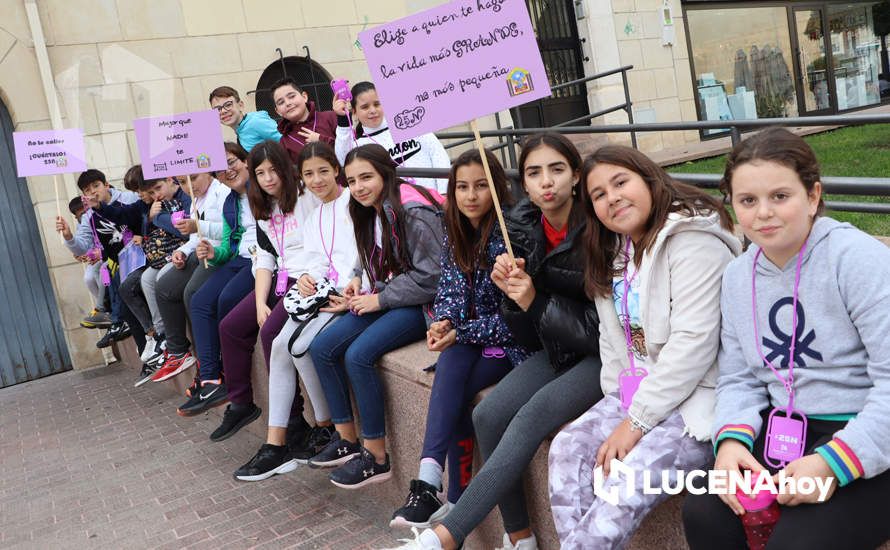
[[842, 349]]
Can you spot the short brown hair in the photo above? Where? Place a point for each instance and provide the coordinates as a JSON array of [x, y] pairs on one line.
[[782, 147], [224, 91]]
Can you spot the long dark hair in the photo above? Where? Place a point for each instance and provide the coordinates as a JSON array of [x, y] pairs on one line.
[[469, 245], [564, 147], [782, 147], [363, 217], [323, 151], [668, 196], [261, 203]]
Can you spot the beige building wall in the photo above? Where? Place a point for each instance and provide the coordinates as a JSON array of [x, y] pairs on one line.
[[629, 32], [116, 60]]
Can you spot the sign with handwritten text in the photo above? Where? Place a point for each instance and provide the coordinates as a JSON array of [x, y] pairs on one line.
[[174, 145], [47, 152], [455, 62]]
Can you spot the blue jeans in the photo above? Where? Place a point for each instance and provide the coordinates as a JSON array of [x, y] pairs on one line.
[[461, 373], [228, 285], [347, 352]]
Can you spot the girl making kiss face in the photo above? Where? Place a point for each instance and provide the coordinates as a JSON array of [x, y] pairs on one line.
[[549, 178]]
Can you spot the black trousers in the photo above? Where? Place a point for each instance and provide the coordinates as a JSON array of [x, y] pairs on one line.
[[854, 518]]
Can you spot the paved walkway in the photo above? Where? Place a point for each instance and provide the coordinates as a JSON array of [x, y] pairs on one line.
[[89, 461]]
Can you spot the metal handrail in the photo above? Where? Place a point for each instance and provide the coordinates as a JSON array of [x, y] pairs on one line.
[[627, 107], [843, 185]]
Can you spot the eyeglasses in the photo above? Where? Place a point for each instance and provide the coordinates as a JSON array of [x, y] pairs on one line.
[[231, 162], [227, 106]]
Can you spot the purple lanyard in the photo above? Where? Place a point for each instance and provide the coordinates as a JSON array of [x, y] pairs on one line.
[[279, 237], [788, 383], [625, 308], [96, 243], [330, 254], [314, 123]]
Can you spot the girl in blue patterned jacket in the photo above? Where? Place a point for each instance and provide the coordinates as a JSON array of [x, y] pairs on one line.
[[477, 347]]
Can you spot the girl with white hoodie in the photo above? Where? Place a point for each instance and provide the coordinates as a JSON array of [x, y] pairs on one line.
[[656, 251], [424, 151], [330, 256]]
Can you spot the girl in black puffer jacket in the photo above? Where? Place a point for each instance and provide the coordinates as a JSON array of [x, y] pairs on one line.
[[549, 313]]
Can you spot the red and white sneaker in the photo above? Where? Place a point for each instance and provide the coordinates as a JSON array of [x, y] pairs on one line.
[[174, 363]]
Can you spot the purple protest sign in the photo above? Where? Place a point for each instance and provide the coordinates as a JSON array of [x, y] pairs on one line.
[[47, 152], [174, 145], [453, 63]]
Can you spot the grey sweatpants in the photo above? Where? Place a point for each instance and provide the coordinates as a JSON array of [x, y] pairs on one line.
[[149, 283], [511, 422], [584, 521]]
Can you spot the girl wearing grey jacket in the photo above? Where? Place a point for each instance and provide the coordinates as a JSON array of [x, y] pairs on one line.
[[656, 252], [804, 381], [398, 231]]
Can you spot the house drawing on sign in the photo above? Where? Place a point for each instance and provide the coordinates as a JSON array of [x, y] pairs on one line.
[[519, 82], [203, 161]]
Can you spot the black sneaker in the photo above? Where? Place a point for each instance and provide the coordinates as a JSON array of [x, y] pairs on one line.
[[113, 335], [297, 431], [235, 418], [145, 374], [269, 460], [156, 355], [338, 451], [422, 508], [208, 396], [313, 443], [360, 471]]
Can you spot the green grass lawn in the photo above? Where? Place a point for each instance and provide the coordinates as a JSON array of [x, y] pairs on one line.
[[862, 151]]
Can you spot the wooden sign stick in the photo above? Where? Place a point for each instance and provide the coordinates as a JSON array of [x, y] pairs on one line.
[[188, 178], [59, 203], [494, 192]]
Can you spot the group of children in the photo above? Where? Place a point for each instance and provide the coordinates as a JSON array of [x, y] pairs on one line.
[[627, 318]]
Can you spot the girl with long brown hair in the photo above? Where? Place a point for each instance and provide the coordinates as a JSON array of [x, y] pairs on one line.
[[656, 250], [477, 348], [398, 231]]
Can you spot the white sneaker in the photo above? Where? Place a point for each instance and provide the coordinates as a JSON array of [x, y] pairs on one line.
[[149, 351], [426, 540], [529, 543]]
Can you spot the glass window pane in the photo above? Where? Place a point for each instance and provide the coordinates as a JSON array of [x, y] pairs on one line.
[[856, 52], [743, 69]]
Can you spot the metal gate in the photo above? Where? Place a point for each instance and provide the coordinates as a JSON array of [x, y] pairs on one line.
[[32, 343], [557, 32]]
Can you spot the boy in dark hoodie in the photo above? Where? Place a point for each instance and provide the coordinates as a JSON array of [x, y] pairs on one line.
[[300, 122]]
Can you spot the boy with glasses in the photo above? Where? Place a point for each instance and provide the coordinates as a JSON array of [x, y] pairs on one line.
[[251, 128]]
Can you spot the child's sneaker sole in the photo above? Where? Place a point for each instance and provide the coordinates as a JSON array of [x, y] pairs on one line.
[[379, 478], [285, 468], [437, 517], [333, 463]]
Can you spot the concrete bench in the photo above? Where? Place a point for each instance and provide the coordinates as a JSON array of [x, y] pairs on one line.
[[408, 389]]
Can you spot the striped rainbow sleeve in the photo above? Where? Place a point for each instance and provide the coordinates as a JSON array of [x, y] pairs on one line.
[[843, 461], [739, 432]]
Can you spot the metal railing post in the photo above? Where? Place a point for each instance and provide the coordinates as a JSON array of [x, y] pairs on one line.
[[628, 107]]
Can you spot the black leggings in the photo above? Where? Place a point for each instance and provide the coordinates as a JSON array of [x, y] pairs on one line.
[[854, 518]]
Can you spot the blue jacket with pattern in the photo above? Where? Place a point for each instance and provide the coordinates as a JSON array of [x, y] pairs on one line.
[[472, 306]]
